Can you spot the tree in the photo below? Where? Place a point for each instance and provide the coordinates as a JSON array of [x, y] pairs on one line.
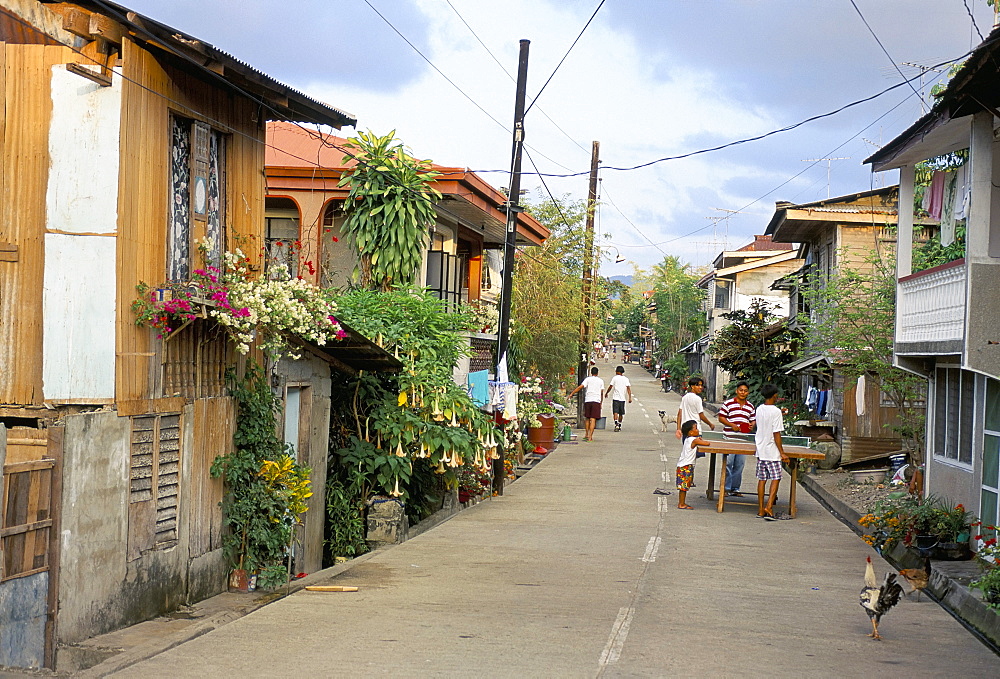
[[390, 207], [679, 315], [853, 316], [546, 309], [754, 347]]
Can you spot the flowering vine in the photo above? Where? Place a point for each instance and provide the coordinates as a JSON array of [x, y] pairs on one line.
[[252, 309]]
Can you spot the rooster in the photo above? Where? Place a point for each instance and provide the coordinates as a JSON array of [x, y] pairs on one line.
[[917, 577], [878, 600]]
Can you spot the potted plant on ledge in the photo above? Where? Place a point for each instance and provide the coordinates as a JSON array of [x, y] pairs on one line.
[[989, 559]]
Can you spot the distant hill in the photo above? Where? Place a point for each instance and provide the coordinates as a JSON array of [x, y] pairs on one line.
[[627, 280]]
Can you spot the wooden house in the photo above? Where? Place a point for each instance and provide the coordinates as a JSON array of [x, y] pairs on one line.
[[463, 256], [124, 144], [845, 231]]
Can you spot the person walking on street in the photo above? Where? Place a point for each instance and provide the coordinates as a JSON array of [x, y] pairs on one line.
[[665, 380], [692, 407], [770, 453], [622, 388], [737, 414], [593, 394]]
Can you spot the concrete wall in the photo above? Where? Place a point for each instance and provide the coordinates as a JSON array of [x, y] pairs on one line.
[[100, 589], [958, 484]]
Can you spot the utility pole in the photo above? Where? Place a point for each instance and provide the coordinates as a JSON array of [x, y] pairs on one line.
[[588, 287], [513, 208]]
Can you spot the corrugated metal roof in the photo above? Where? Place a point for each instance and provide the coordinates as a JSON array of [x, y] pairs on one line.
[[198, 54]]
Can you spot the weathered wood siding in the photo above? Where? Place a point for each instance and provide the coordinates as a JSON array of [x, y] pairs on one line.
[[154, 91], [214, 423], [25, 112]]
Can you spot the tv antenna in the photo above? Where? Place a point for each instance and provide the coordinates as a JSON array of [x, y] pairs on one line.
[[829, 162]]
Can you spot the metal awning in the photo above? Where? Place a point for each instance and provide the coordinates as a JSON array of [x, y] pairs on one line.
[[804, 364], [693, 347], [353, 354]]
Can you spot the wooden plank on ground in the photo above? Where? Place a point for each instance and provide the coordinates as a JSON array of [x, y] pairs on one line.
[[330, 588]]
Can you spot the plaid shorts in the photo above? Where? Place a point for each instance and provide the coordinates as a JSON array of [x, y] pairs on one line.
[[685, 477], [769, 470]]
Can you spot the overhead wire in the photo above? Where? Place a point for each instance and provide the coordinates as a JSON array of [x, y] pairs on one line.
[[786, 128], [884, 50], [974, 24], [511, 76], [450, 81], [556, 69]]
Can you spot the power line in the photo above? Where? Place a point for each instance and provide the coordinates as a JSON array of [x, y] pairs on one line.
[[974, 24], [512, 79], [450, 81], [431, 64], [794, 176], [604, 191], [872, 31], [746, 140], [556, 69]]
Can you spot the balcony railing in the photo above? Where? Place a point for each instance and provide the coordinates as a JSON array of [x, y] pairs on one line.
[[931, 304]]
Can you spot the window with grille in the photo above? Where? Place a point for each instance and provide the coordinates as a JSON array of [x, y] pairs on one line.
[[197, 193], [154, 477]]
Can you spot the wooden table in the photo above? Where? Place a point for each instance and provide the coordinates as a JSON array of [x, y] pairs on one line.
[[726, 448]]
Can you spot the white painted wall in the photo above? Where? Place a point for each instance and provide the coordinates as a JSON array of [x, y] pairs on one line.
[[82, 194], [78, 307], [81, 198]]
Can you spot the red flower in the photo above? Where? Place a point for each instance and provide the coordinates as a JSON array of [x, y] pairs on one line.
[[979, 537], [960, 506], [279, 243]]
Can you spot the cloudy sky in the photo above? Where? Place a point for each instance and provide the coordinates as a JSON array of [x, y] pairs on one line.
[[648, 79]]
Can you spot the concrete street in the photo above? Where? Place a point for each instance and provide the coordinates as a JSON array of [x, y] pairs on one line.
[[579, 570]]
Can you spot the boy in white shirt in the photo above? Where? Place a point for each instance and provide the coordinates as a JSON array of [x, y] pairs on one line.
[[692, 407], [770, 453], [622, 388], [592, 397]]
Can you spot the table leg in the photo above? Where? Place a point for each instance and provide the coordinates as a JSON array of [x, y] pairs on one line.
[[722, 484], [711, 478], [793, 465]]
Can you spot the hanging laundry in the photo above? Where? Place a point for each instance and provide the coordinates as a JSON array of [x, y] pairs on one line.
[[509, 401], [859, 396], [948, 209], [963, 192], [812, 397], [821, 403], [934, 196], [477, 387]]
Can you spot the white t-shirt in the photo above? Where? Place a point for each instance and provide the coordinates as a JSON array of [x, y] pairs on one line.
[[769, 420], [691, 407], [619, 383], [593, 389], [688, 452]]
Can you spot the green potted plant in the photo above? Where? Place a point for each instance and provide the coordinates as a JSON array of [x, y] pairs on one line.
[[989, 559]]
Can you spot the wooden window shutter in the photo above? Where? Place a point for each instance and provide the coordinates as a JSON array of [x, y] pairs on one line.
[[154, 483]]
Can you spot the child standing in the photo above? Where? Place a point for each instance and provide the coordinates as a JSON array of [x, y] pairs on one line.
[[770, 453], [685, 464]]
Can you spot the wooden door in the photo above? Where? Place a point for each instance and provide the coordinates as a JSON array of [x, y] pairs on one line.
[[29, 502]]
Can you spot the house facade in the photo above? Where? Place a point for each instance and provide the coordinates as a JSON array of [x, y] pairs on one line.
[[846, 232], [127, 146], [737, 278], [463, 258], [948, 316]]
